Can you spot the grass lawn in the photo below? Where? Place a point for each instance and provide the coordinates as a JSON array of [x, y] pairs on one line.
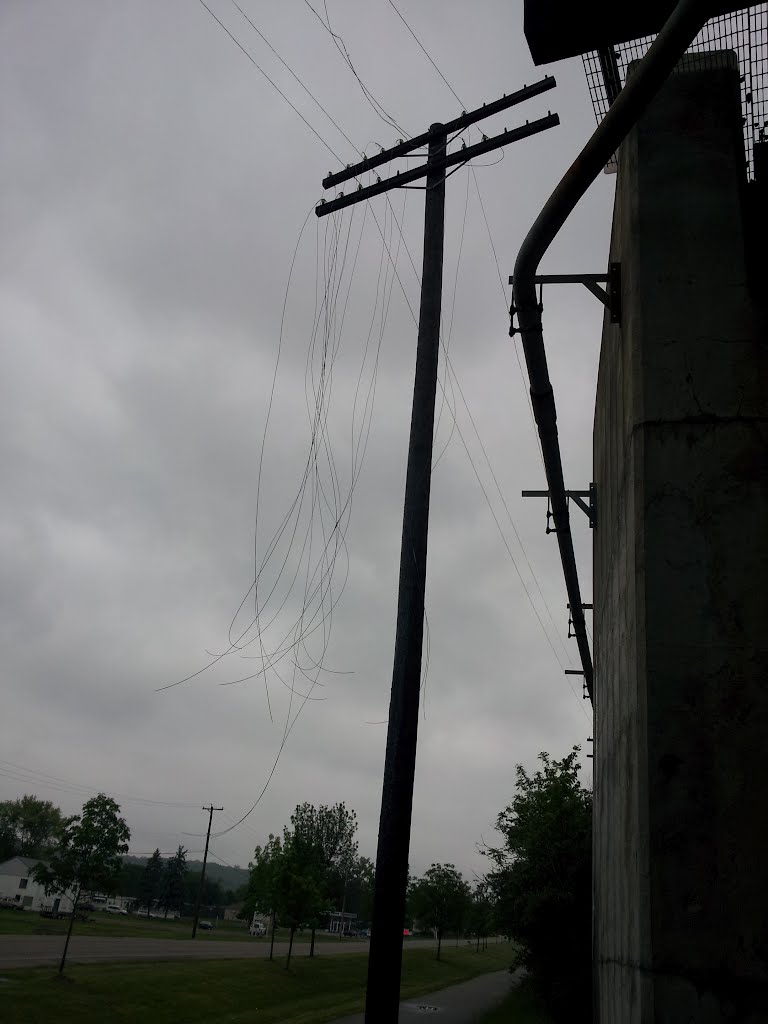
[[520, 1007], [135, 926], [231, 991]]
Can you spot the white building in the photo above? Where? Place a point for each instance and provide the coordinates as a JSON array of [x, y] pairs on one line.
[[18, 884]]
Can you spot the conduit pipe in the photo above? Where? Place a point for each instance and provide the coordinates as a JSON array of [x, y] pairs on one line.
[[684, 24]]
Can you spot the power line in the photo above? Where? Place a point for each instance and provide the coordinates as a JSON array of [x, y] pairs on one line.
[[506, 506], [292, 72], [341, 46], [526, 391], [291, 721], [279, 652], [477, 475], [482, 487], [522, 378], [276, 87], [421, 46], [487, 225], [38, 777]]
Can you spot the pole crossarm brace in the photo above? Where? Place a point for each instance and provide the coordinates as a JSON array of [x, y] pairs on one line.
[[610, 296], [457, 125], [459, 157]]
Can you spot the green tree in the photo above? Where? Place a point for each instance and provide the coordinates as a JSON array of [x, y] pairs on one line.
[[438, 900], [174, 878], [151, 881], [480, 913], [262, 893], [88, 855], [322, 843], [298, 894], [351, 887], [211, 895], [131, 876], [541, 883], [29, 827]]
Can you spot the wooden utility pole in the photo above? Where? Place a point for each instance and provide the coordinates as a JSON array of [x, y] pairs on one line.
[[210, 809], [384, 962]]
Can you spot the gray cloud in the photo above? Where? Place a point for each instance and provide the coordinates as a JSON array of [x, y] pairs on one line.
[[154, 191]]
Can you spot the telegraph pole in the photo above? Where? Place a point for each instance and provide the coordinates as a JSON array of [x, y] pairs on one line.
[[385, 958], [400, 760], [210, 809]]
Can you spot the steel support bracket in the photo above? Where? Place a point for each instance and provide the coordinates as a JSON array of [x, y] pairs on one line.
[[588, 507], [610, 295], [578, 672]]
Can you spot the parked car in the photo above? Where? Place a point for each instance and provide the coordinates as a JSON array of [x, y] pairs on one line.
[[205, 926], [6, 903], [258, 928], [113, 908]]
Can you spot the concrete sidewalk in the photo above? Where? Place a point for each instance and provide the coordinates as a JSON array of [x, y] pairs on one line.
[[464, 1003]]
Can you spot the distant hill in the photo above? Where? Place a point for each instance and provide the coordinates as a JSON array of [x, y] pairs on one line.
[[230, 878]]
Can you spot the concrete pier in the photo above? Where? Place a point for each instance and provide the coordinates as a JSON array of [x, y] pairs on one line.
[[681, 578]]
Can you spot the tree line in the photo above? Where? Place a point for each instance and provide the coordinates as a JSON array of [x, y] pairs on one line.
[[169, 885], [314, 867], [537, 891], [313, 873]]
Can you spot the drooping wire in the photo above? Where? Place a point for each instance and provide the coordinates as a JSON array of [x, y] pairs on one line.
[[333, 274], [341, 46], [319, 497]]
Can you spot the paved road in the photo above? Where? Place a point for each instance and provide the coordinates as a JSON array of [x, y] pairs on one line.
[[37, 950], [464, 1003]]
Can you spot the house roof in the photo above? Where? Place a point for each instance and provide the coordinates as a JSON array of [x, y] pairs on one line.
[[27, 862]]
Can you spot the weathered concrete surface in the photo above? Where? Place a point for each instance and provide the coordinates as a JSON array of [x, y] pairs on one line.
[[681, 581]]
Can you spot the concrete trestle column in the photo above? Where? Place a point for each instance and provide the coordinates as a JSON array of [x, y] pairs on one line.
[[681, 578]]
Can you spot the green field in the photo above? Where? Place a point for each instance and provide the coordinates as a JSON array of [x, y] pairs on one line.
[[226, 991]]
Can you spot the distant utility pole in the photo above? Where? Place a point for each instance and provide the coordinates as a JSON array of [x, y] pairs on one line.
[[210, 809], [384, 963]]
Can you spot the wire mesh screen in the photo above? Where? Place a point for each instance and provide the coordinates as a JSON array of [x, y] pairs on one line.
[[743, 32]]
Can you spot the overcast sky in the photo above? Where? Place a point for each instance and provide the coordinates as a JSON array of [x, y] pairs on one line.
[[155, 186]]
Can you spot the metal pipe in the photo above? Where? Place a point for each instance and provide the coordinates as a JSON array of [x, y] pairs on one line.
[[678, 33]]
